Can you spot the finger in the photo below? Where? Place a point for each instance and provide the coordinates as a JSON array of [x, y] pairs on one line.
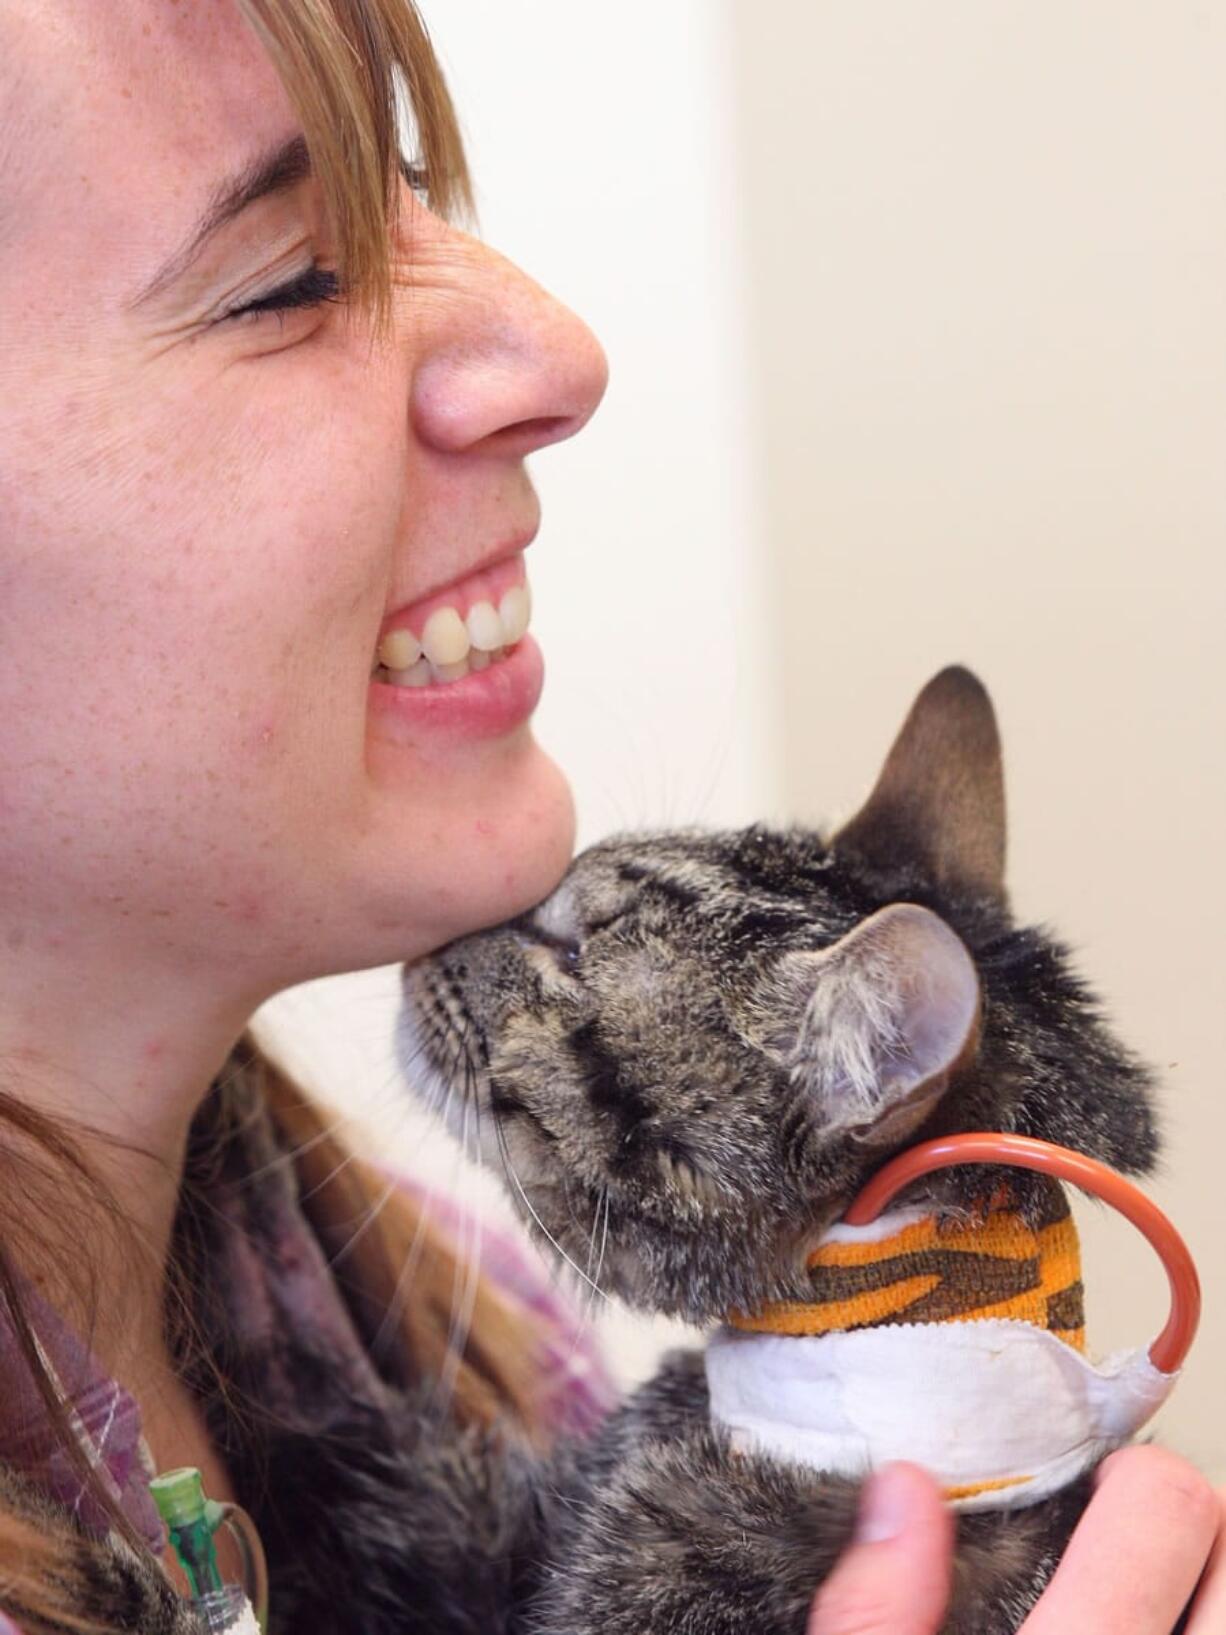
[[1134, 1559], [1209, 1611], [894, 1577]]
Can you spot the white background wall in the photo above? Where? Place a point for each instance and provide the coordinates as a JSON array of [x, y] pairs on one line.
[[987, 246], [917, 324]]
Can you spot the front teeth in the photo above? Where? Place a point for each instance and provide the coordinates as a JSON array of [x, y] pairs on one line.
[[514, 610], [450, 646], [484, 627], [416, 675], [400, 650], [445, 638]]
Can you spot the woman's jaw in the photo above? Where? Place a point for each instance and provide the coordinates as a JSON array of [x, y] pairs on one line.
[[497, 839]]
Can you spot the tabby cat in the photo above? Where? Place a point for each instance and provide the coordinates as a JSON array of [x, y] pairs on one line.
[[686, 1062]]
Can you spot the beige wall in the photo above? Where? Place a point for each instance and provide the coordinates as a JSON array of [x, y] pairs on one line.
[[987, 248]]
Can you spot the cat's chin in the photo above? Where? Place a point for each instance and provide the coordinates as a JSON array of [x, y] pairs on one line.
[[430, 1054], [411, 1046]]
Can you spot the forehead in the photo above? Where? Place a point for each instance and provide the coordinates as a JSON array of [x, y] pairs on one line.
[[118, 116]]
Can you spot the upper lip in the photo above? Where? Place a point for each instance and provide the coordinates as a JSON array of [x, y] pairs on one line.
[[498, 553]]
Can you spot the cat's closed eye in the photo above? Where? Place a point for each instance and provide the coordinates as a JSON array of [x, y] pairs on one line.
[[549, 955]]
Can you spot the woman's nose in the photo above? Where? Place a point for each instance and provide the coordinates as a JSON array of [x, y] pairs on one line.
[[510, 369]]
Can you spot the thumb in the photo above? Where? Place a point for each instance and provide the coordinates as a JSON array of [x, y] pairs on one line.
[[894, 1577]]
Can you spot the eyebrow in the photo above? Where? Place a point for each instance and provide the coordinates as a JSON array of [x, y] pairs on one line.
[[276, 170]]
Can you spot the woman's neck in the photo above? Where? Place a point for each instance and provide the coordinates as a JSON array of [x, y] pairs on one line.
[[96, 1162]]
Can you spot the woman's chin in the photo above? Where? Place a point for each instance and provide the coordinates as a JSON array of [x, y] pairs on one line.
[[519, 849], [497, 846]]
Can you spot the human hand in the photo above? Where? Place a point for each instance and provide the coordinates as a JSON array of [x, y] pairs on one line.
[[1152, 1529]]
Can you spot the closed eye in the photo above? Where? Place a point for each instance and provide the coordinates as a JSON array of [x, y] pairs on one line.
[[565, 951], [310, 289], [606, 924], [315, 284]]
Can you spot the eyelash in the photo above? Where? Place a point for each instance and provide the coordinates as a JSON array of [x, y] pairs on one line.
[[309, 289], [316, 285]]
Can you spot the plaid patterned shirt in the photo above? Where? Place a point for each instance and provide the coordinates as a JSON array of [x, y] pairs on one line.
[[578, 1390], [577, 1386]]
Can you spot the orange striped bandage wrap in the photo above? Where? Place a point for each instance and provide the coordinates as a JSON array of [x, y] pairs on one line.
[[933, 1273], [958, 1345]]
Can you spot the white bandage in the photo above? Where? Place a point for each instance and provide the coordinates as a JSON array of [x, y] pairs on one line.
[[995, 1401]]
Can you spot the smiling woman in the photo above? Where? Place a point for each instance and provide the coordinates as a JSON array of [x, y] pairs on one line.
[[266, 686], [263, 425]]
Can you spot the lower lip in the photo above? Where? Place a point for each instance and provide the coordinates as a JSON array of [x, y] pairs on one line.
[[483, 704]]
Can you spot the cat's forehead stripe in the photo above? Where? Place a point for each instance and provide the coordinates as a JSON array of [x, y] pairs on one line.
[[680, 885]]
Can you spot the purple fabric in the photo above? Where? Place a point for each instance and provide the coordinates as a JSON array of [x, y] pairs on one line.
[[277, 1280], [578, 1390], [275, 1277], [107, 1415]]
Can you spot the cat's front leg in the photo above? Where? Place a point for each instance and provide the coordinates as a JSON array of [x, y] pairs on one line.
[[409, 1525], [685, 1537]]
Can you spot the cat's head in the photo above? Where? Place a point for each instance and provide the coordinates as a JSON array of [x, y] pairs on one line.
[[687, 1060]]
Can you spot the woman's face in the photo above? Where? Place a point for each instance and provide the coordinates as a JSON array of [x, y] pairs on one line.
[[207, 523]]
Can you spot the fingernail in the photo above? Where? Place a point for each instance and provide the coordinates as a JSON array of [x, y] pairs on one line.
[[884, 1506]]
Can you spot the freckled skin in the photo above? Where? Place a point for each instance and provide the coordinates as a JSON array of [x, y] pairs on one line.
[[207, 523]]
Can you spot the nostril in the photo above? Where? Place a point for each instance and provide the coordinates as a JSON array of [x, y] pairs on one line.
[[544, 426], [525, 436]]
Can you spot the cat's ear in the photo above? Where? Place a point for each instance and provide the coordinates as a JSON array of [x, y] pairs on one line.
[[886, 1017], [940, 798]]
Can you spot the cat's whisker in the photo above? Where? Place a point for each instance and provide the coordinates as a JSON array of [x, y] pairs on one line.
[[531, 1208], [468, 1266], [462, 1309], [390, 1321], [402, 1290], [604, 1239], [349, 1157], [591, 1242], [328, 1133], [336, 1129], [553, 1267], [372, 1216], [568, 1196], [589, 1304], [716, 764]]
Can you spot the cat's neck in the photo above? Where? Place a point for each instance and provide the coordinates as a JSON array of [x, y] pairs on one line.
[[911, 1267], [958, 1345]]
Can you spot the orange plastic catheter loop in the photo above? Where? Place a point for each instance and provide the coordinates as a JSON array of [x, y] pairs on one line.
[[984, 1147]]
